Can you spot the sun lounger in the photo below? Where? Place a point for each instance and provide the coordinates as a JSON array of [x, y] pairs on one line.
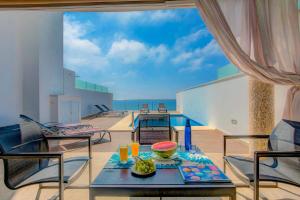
[[70, 129], [107, 109]]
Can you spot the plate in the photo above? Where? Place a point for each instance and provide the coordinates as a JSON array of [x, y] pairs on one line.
[[158, 158], [139, 174]]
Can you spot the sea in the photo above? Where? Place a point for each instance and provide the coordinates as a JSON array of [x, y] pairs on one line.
[[136, 104]]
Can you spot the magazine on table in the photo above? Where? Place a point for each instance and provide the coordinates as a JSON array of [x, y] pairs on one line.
[[202, 173]]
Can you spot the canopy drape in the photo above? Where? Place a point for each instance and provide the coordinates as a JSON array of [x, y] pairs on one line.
[[93, 5], [262, 38]]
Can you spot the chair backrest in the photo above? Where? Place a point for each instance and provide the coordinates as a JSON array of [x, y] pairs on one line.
[[161, 105], [26, 137], [154, 128], [107, 108], [101, 109], [286, 137]]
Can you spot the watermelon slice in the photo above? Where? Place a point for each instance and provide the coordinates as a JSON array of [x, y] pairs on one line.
[[164, 149]]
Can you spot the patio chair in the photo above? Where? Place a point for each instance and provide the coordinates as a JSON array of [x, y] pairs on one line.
[[154, 128], [145, 108], [24, 150], [282, 159], [162, 108], [70, 129]]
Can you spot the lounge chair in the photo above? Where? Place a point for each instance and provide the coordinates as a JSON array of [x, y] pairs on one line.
[[27, 160], [100, 112], [162, 108], [154, 128], [55, 126], [145, 108], [112, 112], [70, 129], [106, 108], [282, 159]]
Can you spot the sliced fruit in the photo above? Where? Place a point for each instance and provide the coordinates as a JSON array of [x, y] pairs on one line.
[[164, 149]]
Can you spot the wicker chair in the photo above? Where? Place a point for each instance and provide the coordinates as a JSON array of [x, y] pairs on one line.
[[282, 160], [154, 128], [25, 153]]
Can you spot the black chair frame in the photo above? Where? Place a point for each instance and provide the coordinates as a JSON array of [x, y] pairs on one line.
[[257, 155], [54, 155], [136, 138]]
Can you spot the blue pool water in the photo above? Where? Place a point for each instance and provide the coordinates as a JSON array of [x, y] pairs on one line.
[[176, 120]]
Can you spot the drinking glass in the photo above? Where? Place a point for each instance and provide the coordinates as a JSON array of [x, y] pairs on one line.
[[135, 149], [123, 151]]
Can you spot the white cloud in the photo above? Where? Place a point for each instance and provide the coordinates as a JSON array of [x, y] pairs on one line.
[[183, 42], [79, 51], [194, 65], [197, 57], [132, 51], [182, 57], [140, 17], [212, 48], [128, 51], [159, 53]]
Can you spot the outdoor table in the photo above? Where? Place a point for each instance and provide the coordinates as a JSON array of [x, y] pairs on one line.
[[167, 182]]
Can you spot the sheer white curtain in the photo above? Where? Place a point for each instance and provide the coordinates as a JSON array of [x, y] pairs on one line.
[[262, 38]]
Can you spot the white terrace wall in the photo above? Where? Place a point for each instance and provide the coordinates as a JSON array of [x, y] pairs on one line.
[[88, 98], [30, 67], [224, 104], [31, 63]]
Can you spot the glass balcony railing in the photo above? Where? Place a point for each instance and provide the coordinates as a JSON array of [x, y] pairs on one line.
[[227, 71], [85, 85]]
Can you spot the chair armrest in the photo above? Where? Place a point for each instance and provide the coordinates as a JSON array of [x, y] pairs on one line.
[[31, 155], [72, 137], [176, 133], [133, 133], [174, 129], [40, 155], [256, 136], [261, 154]]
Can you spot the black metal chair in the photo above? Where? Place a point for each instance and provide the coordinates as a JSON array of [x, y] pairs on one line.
[[281, 163], [27, 160], [145, 108], [162, 108], [154, 128]]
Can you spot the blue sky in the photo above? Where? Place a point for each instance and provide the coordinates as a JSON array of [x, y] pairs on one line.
[[141, 55]]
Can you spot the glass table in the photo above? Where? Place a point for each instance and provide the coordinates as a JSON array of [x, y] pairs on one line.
[[116, 180]]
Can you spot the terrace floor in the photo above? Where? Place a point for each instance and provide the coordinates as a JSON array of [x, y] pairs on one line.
[[210, 141]]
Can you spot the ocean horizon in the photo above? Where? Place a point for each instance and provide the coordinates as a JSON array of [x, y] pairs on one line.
[[136, 104]]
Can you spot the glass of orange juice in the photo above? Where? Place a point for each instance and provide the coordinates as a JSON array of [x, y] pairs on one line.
[[135, 149], [123, 150]]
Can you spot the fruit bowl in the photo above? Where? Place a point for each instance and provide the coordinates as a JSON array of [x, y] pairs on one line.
[[143, 168], [164, 149]]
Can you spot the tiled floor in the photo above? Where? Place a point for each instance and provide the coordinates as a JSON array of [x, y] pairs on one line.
[[209, 141]]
